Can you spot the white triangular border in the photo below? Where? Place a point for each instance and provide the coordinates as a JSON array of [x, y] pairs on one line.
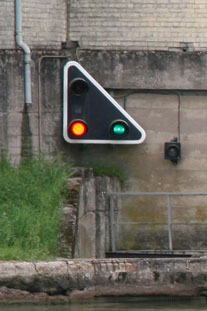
[[107, 95]]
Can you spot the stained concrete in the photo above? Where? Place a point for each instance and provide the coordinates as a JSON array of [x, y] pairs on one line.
[[164, 92], [77, 279], [147, 69]]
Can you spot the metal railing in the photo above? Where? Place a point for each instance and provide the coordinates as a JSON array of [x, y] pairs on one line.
[[113, 223]]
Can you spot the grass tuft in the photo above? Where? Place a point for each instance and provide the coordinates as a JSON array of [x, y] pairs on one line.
[[30, 208], [111, 171]]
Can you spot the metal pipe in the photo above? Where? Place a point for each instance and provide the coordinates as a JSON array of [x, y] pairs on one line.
[[155, 194], [27, 54], [169, 222]]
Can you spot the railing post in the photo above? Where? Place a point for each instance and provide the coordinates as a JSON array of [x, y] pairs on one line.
[[112, 224], [169, 223]]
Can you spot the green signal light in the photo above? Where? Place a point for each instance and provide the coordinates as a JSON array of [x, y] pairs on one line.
[[119, 129]]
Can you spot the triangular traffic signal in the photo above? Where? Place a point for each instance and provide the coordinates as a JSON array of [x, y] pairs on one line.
[[91, 115]]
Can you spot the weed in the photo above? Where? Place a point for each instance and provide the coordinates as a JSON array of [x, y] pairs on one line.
[[106, 170], [30, 208]]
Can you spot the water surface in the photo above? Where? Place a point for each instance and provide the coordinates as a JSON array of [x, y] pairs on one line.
[[121, 303]]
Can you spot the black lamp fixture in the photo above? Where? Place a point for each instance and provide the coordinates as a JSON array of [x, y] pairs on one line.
[[173, 150]]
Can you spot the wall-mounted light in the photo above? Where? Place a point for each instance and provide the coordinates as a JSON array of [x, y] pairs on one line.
[[173, 150]]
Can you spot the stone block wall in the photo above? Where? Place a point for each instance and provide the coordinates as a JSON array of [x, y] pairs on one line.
[[44, 24], [7, 23], [120, 25], [139, 25]]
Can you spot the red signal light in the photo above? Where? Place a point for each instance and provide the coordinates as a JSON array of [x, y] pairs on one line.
[[78, 128]]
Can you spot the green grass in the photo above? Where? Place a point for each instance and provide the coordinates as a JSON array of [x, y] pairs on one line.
[[111, 171], [30, 208]]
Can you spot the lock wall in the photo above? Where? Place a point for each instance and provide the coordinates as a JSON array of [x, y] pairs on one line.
[[151, 57]]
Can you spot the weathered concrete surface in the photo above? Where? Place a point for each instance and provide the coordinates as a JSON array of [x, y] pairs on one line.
[[66, 280], [92, 238], [147, 69], [163, 116]]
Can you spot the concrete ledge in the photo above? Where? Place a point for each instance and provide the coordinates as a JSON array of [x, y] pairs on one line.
[[66, 280], [166, 70]]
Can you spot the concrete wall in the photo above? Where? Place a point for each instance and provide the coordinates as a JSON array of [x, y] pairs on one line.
[[163, 114], [93, 234], [146, 84], [148, 70]]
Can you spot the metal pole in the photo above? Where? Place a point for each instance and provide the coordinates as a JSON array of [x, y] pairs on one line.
[[169, 222], [112, 224]]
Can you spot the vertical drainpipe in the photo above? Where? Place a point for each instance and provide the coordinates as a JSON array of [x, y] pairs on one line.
[[27, 54]]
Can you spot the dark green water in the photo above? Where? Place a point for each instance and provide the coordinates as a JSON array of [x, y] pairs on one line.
[[121, 303]]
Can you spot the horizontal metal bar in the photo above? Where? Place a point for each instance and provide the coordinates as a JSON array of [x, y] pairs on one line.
[[175, 252], [154, 194], [139, 223], [159, 223]]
